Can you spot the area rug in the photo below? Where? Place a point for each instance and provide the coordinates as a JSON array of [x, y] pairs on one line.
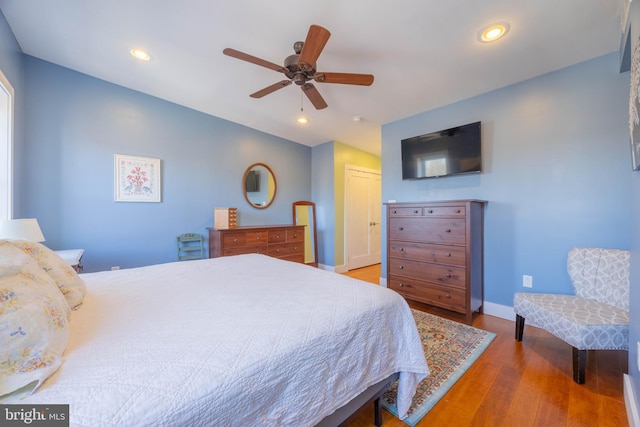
[[450, 348]]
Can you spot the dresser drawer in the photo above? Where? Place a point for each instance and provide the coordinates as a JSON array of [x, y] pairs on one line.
[[294, 258], [437, 273], [285, 249], [234, 239], [277, 236], [254, 237], [427, 252], [240, 250], [407, 211], [429, 293], [436, 230], [295, 235], [445, 211]]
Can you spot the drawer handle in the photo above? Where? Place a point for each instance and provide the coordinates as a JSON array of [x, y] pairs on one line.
[[258, 238], [401, 285], [235, 240], [430, 211], [295, 234], [447, 230], [448, 275], [447, 254], [400, 228], [277, 236], [457, 210], [401, 249], [401, 267], [416, 211], [395, 212], [278, 250], [447, 296]]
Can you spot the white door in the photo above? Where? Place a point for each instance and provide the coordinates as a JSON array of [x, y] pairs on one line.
[[363, 195]]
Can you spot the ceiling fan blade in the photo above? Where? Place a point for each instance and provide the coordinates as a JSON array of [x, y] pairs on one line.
[[344, 78], [317, 38], [269, 89], [314, 96], [254, 60]]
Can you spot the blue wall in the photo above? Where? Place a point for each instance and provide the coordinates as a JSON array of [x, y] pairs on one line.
[[74, 124], [556, 166], [323, 195]]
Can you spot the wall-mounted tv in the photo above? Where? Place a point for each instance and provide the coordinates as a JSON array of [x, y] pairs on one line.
[[447, 152]]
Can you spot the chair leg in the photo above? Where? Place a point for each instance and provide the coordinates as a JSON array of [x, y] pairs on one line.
[[519, 327], [579, 365]]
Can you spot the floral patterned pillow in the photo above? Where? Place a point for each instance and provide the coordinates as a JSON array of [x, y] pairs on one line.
[[68, 281], [33, 324]]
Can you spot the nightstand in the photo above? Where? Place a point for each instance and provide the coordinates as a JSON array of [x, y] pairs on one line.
[[72, 257]]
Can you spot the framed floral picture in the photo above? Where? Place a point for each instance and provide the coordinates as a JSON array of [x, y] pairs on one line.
[[137, 179]]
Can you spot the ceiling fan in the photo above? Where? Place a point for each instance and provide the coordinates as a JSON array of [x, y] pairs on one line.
[[300, 68]]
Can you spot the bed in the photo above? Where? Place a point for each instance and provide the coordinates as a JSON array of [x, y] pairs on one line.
[[241, 340]]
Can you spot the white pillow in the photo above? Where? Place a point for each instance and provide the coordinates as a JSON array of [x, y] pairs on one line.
[[65, 277], [34, 327]]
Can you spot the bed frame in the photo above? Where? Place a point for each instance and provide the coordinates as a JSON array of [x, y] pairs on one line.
[[373, 393]]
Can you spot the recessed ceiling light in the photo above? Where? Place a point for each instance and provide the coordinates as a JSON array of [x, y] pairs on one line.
[[140, 54], [493, 32]]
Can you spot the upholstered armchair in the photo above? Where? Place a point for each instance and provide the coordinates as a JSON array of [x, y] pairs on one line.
[[596, 317]]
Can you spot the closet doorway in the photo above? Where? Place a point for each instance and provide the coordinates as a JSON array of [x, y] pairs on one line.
[[363, 205]]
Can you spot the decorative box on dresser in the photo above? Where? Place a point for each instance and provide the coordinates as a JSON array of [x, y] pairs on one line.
[[435, 253], [279, 241]]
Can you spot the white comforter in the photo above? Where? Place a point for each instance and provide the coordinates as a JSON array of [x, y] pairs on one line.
[[234, 341]]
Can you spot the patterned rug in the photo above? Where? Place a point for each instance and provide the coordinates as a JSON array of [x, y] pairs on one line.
[[450, 348]]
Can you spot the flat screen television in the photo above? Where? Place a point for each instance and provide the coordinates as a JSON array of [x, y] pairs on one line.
[[447, 152]]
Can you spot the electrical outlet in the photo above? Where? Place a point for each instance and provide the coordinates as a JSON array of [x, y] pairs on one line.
[[116, 267], [527, 281]]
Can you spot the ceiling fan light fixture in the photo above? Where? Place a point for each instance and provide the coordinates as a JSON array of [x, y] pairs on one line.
[[302, 120], [493, 32], [140, 54]]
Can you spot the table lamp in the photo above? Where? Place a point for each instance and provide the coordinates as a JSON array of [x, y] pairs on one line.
[[21, 229]]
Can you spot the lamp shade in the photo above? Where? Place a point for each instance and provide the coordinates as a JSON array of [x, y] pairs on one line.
[[21, 229]]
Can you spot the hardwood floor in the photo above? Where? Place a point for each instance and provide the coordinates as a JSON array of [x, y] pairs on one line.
[[524, 383]]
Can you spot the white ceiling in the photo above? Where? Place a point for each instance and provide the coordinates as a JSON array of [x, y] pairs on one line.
[[423, 53]]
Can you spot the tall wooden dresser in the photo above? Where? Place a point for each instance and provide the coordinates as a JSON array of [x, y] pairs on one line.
[[279, 241], [435, 253]]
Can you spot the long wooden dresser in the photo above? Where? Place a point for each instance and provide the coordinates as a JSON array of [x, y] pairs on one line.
[[279, 241], [435, 253]]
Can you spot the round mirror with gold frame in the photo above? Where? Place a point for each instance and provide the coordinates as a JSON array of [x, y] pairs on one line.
[[259, 185]]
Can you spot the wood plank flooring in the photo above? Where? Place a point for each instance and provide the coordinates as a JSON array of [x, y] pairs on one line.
[[521, 384]]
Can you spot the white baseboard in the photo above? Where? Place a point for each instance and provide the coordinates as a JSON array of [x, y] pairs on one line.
[[497, 310], [326, 267], [340, 269], [631, 403]]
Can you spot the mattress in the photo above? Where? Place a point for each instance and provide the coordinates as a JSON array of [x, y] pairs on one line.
[[242, 340]]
